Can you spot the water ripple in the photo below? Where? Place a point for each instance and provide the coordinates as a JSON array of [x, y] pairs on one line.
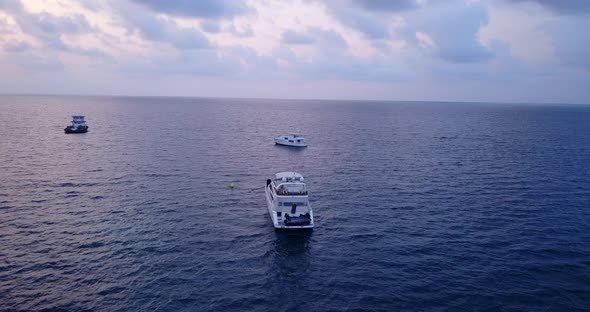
[[419, 206]]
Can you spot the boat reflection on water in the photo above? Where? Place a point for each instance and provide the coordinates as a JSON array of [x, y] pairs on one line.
[[288, 277], [293, 242], [292, 254]]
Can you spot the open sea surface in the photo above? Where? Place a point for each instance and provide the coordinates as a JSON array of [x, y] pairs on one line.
[[419, 206]]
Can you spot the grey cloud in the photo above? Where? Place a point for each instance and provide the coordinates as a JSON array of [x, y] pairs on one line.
[[386, 5], [47, 23], [285, 53], [348, 68], [92, 5], [507, 69], [187, 62], [561, 6], [369, 25], [257, 65], [43, 64], [292, 37], [198, 8], [328, 37], [454, 29], [18, 47], [210, 26], [36, 62], [46, 27], [163, 30], [466, 56], [364, 15], [245, 31], [4, 26], [572, 45], [10, 5], [338, 64]]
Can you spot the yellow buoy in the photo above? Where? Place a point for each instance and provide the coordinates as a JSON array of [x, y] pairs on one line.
[[231, 185]]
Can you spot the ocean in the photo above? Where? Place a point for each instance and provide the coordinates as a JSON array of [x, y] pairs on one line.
[[419, 206]]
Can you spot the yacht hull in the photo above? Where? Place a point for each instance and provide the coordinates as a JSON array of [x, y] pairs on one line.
[[280, 224], [287, 143], [70, 130]]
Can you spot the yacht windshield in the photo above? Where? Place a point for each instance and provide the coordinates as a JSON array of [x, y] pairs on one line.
[[291, 189]]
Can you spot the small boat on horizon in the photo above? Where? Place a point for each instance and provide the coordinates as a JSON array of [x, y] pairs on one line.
[[78, 125], [296, 140], [288, 202]]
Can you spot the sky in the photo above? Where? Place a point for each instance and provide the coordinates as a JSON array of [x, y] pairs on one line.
[[420, 50]]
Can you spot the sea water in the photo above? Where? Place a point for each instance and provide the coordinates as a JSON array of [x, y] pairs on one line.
[[418, 206]]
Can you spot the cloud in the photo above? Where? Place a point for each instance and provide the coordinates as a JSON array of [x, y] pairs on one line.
[[425, 41], [164, 30], [45, 27], [18, 47], [35, 61], [361, 21], [329, 38], [193, 63], [322, 38], [48, 23], [198, 8], [233, 63], [572, 45], [244, 31], [454, 29], [525, 33], [364, 48], [293, 37], [10, 5], [386, 5], [561, 6], [50, 28], [45, 24], [210, 26], [447, 30]]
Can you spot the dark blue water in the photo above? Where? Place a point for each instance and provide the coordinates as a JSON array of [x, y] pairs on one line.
[[419, 206]]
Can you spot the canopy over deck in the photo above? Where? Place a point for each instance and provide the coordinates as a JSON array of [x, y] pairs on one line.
[[289, 175]]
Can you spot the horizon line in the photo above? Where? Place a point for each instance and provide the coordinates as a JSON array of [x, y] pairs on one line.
[[288, 99]]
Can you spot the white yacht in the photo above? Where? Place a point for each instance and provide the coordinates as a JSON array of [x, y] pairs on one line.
[[288, 204], [291, 140]]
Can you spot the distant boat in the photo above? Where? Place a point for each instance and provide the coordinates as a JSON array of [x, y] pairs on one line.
[[296, 140], [78, 125], [288, 203]]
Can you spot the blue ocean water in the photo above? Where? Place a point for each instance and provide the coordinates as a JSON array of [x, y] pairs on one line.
[[419, 206]]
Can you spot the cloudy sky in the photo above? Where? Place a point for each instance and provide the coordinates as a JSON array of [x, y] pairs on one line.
[[455, 50]]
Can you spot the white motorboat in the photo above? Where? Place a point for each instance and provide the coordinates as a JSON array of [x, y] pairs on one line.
[[296, 140], [288, 203]]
